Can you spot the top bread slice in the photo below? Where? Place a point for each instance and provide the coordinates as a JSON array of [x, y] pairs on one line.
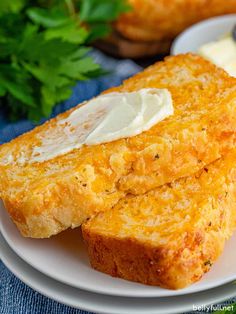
[[156, 20], [44, 198], [171, 235]]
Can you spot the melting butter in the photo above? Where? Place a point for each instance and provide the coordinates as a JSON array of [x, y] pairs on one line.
[[106, 118]]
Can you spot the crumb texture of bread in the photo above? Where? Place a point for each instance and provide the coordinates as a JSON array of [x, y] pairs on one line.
[[171, 235], [155, 20], [44, 198]]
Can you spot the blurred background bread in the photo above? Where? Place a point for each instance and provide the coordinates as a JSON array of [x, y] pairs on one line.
[[151, 25]]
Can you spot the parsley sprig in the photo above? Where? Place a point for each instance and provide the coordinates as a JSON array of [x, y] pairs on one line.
[[44, 50]]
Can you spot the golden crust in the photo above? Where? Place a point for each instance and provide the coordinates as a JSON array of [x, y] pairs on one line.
[[46, 198], [154, 20], [169, 236]]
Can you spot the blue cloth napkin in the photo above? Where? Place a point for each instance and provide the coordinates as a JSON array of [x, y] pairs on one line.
[[15, 296]]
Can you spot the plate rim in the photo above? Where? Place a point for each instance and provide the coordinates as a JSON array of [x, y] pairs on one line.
[[91, 307], [103, 290]]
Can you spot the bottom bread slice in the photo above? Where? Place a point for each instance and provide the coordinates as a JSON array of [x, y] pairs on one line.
[[169, 236]]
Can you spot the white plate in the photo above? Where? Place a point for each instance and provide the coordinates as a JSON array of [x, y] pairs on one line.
[[64, 258], [203, 32], [107, 304]]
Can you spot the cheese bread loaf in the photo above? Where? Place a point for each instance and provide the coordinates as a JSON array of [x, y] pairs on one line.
[[158, 20], [45, 197], [171, 235]]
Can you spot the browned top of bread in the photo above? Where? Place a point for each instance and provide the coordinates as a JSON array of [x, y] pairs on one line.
[[171, 235], [45, 198], [152, 20]]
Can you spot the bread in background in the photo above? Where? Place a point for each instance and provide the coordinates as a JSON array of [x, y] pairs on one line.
[[151, 25]]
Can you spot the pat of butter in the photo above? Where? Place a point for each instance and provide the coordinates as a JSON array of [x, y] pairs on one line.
[[221, 53], [104, 119]]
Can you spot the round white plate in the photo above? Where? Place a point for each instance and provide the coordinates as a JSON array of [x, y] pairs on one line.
[[64, 258], [203, 32], [98, 303]]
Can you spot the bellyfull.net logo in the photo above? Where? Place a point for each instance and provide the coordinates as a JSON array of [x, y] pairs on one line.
[[216, 309]]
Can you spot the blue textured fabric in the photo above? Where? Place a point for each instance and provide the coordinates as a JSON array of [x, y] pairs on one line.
[[15, 296]]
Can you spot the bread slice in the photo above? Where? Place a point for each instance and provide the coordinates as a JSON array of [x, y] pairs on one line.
[[171, 235], [155, 20], [44, 198]]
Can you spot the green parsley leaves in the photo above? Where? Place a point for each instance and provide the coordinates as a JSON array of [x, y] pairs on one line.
[[43, 50]]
